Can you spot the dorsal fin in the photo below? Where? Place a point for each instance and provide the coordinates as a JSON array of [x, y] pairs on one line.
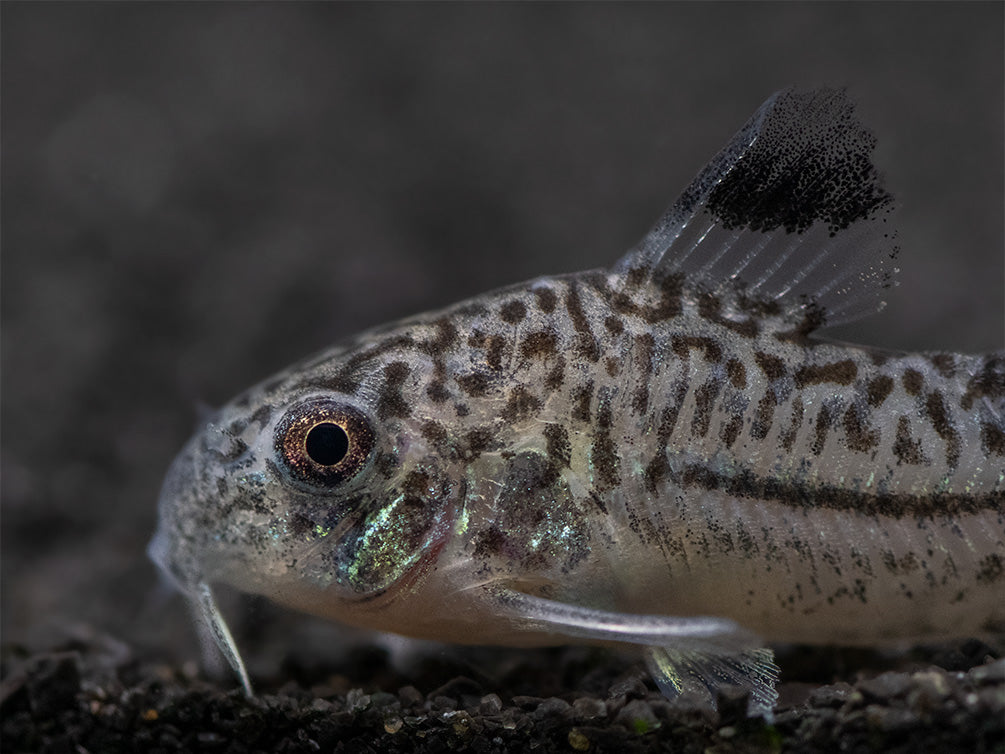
[[791, 215]]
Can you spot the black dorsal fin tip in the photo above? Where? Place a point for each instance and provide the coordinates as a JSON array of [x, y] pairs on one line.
[[791, 211]]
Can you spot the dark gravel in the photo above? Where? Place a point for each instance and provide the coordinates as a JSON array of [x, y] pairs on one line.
[[95, 695], [196, 195]]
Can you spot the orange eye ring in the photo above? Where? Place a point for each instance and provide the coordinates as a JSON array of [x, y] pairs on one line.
[[324, 442]]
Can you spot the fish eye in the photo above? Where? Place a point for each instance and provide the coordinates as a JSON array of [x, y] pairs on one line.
[[324, 442]]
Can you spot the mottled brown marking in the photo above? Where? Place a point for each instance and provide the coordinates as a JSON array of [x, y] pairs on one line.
[[877, 390], [704, 402], [612, 366], [603, 453], [988, 382], [557, 444], [390, 402], [907, 450], [343, 381], [658, 468], [992, 439], [913, 381], [556, 375], [513, 311], [858, 434], [520, 404], [539, 345], [475, 384], [837, 372], [681, 345], [763, 415], [772, 366], [990, 569], [938, 414], [788, 438], [944, 363], [495, 351], [644, 347], [480, 440], [614, 325], [640, 399], [433, 431], [445, 338], [586, 342], [546, 299], [582, 395], [737, 373], [437, 391], [824, 421], [731, 430], [813, 318]]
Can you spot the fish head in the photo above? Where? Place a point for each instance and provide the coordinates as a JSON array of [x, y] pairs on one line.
[[316, 490]]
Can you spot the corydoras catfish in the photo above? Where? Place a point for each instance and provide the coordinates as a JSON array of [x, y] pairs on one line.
[[661, 454]]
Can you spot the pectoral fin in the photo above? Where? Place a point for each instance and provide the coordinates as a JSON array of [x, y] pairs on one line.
[[694, 676], [689, 657]]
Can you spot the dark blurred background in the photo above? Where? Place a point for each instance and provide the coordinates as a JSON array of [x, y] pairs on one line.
[[195, 195]]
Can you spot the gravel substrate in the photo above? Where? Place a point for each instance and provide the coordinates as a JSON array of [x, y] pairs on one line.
[[94, 695]]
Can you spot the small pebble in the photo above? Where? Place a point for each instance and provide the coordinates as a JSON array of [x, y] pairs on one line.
[[490, 704], [578, 741], [589, 708]]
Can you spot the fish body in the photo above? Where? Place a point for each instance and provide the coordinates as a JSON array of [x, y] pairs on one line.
[[660, 453]]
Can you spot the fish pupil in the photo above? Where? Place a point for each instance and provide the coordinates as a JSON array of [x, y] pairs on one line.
[[326, 444]]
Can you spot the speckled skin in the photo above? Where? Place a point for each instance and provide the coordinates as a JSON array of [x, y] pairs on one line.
[[661, 438]]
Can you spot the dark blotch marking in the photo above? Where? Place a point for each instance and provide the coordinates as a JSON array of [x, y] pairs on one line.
[[731, 430], [604, 454], [788, 437], [944, 363], [858, 434], [586, 343], [838, 372], [935, 408], [557, 444], [990, 569], [907, 450], [495, 351], [992, 439], [681, 345], [640, 399], [658, 468], [546, 299], [913, 381], [989, 382], [763, 415], [513, 311], [437, 391], [556, 375], [540, 344], [520, 404], [581, 398], [612, 366], [704, 402], [825, 420], [614, 325], [390, 402], [475, 385], [772, 366], [433, 431], [737, 373], [877, 390], [480, 440]]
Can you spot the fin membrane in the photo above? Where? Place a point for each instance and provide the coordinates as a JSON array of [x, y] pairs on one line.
[[790, 218], [694, 676]]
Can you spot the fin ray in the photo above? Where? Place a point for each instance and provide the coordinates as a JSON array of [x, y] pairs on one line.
[[792, 211]]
